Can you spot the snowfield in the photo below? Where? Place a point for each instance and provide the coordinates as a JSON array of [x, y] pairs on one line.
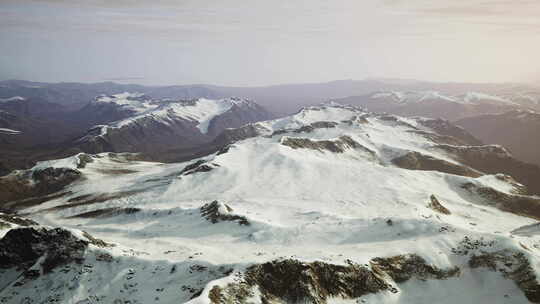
[[318, 186]]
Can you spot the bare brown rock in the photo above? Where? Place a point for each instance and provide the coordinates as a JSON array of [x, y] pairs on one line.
[[437, 206], [417, 161]]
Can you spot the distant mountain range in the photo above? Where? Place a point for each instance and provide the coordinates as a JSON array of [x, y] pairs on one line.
[[50, 120], [33, 129], [517, 130], [155, 126], [438, 104], [278, 99]]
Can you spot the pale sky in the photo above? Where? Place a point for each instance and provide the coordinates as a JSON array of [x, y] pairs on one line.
[[255, 42]]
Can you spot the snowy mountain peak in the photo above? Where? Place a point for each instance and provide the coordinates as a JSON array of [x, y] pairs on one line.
[[411, 97], [331, 205], [152, 125], [14, 98], [136, 102], [476, 97]]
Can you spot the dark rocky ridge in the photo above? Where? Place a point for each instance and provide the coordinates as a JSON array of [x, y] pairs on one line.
[[515, 130], [293, 281], [513, 266], [446, 128], [39, 183], [495, 159], [216, 212], [522, 205], [22, 247], [417, 161], [437, 206], [339, 145]]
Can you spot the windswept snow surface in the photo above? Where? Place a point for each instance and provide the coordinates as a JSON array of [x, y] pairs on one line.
[[307, 204]]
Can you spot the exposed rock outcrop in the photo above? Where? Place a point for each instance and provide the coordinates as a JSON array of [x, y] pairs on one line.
[[17, 220], [216, 212], [448, 129], [528, 206], [308, 128], [495, 159], [293, 281], [229, 136], [513, 266], [402, 268], [339, 145], [437, 138], [437, 206], [37, 183], [23, 247], [198, 166], [417, 161]]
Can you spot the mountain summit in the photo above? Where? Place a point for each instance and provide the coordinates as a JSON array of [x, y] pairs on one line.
[[331, 204]]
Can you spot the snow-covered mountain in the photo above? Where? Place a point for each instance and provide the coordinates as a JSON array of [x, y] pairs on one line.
[[518, 130], [529, 99], [433, 103], [153, 126], [434, 96], [331, 205]]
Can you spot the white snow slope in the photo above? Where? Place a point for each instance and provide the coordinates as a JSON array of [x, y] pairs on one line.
[[311, 205]]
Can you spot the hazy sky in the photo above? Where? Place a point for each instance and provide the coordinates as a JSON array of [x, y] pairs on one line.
[[255, 42]]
